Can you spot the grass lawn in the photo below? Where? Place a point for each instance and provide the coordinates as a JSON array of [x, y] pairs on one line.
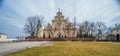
[[72, 49]]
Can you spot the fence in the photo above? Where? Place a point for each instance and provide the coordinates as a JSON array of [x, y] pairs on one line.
[[59, 39]]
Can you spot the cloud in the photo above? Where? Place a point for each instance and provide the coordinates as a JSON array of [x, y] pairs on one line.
[[10, 30], [13, 13], [116, 20]]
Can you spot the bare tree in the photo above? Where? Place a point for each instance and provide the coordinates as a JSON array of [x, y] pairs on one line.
[[74, 24], [86, 29], [32, 24], [92, 28], [100, 28], [80, 30]]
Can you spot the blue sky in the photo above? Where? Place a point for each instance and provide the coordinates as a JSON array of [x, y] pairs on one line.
[[13, 13]]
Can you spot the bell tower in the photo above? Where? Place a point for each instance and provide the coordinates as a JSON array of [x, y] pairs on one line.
[[39, 29]]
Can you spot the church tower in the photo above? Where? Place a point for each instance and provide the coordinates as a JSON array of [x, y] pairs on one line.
[[39, 30]]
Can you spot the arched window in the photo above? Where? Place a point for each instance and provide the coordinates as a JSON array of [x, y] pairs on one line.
[[59, 18], [63, 28], [55, 28], [65, 36], [44, 35], [49, 35], [117, 37]]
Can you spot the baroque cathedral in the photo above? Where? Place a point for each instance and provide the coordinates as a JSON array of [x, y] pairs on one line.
[[60, 28]]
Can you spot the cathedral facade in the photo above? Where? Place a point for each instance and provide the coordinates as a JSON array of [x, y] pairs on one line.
[[60, 28]]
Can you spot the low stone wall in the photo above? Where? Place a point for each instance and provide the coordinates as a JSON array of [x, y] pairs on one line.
[[108, 40], [59, 39]]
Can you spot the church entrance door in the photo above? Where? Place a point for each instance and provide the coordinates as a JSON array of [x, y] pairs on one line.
[[59, 34]]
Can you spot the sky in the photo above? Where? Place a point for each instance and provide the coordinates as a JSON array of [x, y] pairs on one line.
[[13, 13]]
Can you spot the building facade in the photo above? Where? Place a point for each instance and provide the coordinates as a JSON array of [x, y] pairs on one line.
[[3, 37], [115, 33], [60, 28]]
